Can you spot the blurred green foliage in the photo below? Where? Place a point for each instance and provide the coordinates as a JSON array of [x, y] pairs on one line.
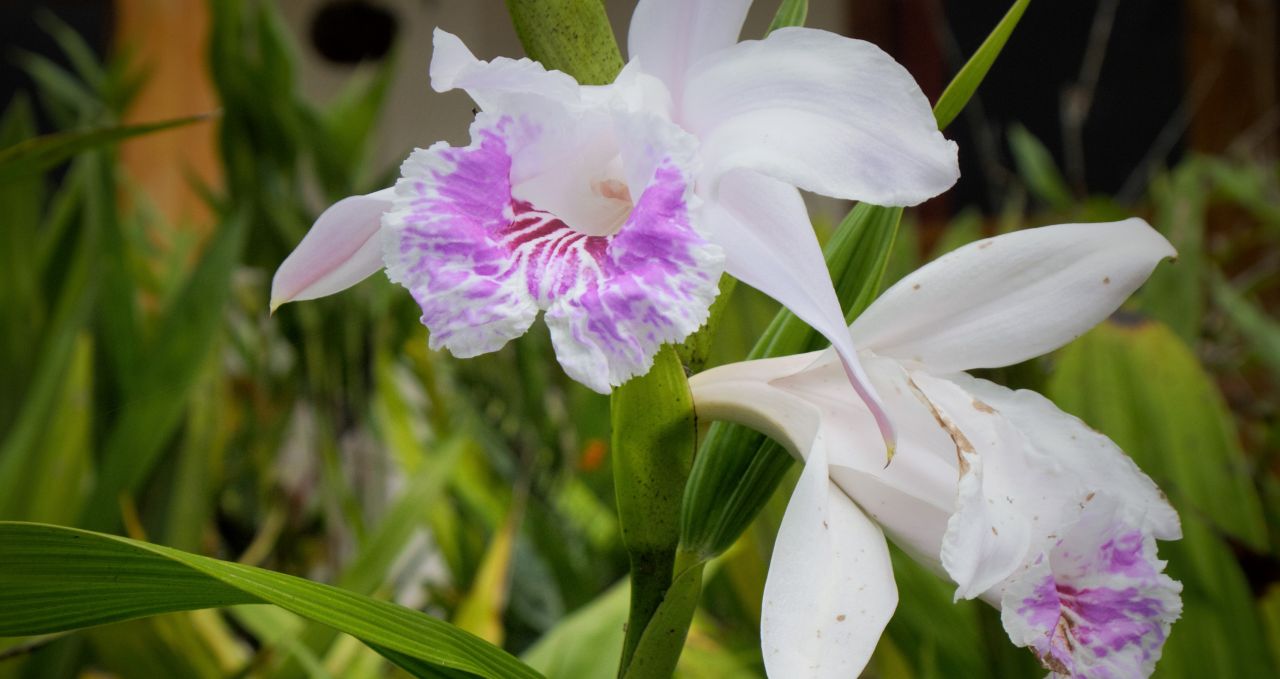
[[147, 391]]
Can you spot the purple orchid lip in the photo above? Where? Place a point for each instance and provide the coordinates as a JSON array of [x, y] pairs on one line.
[[1095, 605], [482, 262]]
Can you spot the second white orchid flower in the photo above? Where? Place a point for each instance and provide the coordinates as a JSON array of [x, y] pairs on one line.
[[1015, 501], [614, 209]]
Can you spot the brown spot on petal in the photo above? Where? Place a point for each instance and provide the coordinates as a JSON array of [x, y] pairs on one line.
[[957, 437], [1106, 280], [984, 245], [1089, 497], [982, 407], [1062, 638], [994, 531], [916, 286], [840, 618], [1053, 664]]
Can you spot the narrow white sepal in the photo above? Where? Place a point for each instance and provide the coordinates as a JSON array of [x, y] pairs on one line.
[[340, 250]]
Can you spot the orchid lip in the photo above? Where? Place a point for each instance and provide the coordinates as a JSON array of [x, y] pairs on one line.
[[483, 260]]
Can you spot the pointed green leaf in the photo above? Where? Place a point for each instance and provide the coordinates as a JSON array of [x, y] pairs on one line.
[[481, 609], [962, 87], [186, 333], [54, 578], [53, 482], [78, 52], [790, 13], [37, 155], [1037, 168]]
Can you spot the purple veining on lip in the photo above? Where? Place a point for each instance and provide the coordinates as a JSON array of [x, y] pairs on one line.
[[481, 263], [1123, 554], [445, 252], [1099, 607], [1097, 620]]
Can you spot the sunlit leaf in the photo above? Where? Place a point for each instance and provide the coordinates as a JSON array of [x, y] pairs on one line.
[[1139, 384], [54, 481], [1220, 633], [481, 610]]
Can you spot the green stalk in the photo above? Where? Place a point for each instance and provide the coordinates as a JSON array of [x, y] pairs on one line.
[[654, 433]]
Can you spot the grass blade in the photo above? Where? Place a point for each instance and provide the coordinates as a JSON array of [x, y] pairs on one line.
[[54, 578], [34, 156]]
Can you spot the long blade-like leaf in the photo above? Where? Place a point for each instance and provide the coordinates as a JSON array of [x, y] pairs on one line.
[[790, 13], [966, 82], [54, 578], [36, 155]]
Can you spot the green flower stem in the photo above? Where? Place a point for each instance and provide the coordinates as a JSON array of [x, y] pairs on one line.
[[658, 649], [654, 433]]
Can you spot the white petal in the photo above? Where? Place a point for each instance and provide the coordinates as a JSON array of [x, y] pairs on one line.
[[668, 36], [339, 251], [830, 590], [744, 393], [1006, 299], [770, 245], [1086, 454], [792, 398], [829, 114], [998, 492], [453, 66]]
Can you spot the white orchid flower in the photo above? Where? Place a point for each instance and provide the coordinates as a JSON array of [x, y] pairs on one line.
[[614, 209], [1015, 501]]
